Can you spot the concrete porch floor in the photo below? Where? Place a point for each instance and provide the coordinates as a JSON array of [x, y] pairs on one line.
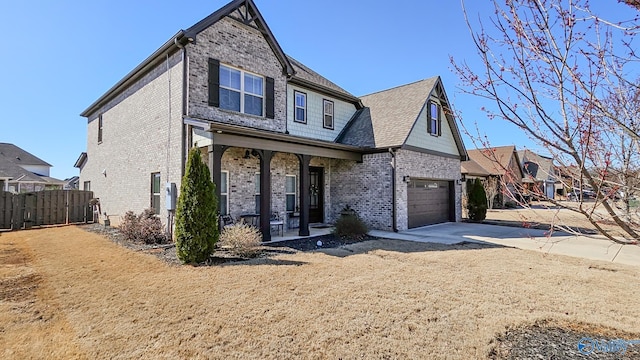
[[292, 234]]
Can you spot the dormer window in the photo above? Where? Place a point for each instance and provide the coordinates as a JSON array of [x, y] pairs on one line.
[[241, 91]]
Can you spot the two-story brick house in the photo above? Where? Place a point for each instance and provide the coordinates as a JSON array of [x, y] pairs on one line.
[[267, 124]]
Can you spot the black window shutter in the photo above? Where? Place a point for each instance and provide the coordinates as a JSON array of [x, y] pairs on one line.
[[429, 117], [439, 121], [214, 82], [270, 99]]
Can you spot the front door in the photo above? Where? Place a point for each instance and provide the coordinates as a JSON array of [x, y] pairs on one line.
[[316, 194]]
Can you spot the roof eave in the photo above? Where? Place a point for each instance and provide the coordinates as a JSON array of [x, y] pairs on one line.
[[317, 87], [168, 47]]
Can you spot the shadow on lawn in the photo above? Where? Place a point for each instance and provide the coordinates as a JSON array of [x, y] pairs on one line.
[[403, 246]]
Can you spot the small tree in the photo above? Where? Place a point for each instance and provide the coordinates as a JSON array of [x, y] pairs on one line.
[[196, 220], [477, 203]]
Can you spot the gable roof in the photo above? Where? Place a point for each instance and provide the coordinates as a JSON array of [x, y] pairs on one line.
[[495, 160], [471, 167], [17, 173], [184, 37], [394, 112], [359, 130], [306, 77], [536, 166], [15, 155]]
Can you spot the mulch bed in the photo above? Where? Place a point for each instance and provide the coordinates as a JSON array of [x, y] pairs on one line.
[[548, 340], [167, 252]]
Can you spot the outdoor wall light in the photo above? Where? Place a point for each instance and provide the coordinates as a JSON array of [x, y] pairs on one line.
[[406, 178]]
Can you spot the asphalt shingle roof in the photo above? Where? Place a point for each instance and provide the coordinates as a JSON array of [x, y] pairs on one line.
[[359, 132], [542, 167], [471, 167], [495, 160], [394, 111], [305, 73], [18, 156]]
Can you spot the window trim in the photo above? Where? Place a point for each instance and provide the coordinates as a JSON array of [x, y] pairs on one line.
[[294, 193], [296, 107], [100, 128], [244, 92], [154, 194], [256, 178], [324, 114], [225, 192], [86, 186]]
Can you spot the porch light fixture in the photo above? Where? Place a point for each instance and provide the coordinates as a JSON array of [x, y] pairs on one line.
[[247, 155], [406, 178]]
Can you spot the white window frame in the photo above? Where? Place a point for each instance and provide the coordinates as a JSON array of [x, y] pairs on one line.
[[256, 179], [326, 102], [244, 92], [294, 193], [296, 107], [225, 192], [156, 195], [433, 117]]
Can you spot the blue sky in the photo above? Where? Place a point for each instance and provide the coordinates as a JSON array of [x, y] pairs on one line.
[[60, 56]]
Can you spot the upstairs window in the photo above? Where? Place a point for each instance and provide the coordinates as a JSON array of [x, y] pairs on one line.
[[301, 107], [328, 114], [434, 125], [86, 186], [241, 91], [99, 128]]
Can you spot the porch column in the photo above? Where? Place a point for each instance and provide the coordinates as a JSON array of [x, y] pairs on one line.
[[215, 166], [304, 194], [265, 193]]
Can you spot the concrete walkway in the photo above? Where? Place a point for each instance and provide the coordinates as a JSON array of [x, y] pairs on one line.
[[588, 247]]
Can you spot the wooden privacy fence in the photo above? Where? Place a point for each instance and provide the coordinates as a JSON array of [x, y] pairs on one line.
[[49, 207]]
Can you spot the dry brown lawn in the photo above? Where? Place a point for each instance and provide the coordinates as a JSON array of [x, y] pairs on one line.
[[67, 293]]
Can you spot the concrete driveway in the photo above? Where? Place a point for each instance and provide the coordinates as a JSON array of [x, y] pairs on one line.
[[588, 247]]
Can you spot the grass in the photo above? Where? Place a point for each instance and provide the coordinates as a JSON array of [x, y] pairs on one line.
[[67, 293]]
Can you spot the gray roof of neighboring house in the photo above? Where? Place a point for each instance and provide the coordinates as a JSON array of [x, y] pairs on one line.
[[536, 166], [17, 173], [394, 111], [471, 167], [18, 156]]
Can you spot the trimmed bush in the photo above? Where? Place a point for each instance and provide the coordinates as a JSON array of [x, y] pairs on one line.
[[350, 227], [241, 239], [146, 227], [477, 203], [196, 214]]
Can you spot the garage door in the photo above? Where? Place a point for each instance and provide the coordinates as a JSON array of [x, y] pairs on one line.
[[429, 202]]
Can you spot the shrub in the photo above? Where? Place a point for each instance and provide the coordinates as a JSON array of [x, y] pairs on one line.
[[196, 213], [477, 203], [350, 227], [146, 227], [241, 239]]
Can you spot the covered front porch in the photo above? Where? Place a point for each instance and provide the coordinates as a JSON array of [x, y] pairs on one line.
[[246, 163]]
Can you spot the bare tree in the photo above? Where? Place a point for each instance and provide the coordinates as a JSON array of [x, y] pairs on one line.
[[551, 68]]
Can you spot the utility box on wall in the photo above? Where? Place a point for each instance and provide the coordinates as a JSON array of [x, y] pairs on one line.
[[172, 192]]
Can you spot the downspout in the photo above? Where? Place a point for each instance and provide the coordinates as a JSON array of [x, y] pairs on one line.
[[393, 190], [184, 103]]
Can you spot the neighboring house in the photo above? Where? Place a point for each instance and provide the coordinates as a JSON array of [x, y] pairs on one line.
[[267, 124], [541, 174], [21, 171], [72, 183], [500, 164]]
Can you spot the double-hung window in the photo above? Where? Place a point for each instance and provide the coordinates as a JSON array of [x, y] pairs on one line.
[[241, 91], [224, 193], [328, 114], [301, 107], [290, 193], [155, 192], [434, 119]]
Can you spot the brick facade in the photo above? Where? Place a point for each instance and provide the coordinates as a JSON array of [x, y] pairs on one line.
[[138, 138], [240, 46]]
